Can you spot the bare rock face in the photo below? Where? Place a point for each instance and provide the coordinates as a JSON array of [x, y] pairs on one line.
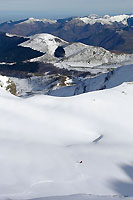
[[130, 22], [59, 52]]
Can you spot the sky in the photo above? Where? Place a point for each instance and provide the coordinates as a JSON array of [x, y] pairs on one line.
[[10, 9]]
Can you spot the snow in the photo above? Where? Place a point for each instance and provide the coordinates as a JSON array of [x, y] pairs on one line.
[[3, 81], [11, 35], [100, 78], [68, 81], [91, 19], [5, 63], [78, 56], [78, 52], [96, 82], [43, 139], [32, 20], [109, 20], [84, 197], [45, 43]]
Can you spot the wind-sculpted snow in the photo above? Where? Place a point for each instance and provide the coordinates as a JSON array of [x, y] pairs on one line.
[[51, 146]]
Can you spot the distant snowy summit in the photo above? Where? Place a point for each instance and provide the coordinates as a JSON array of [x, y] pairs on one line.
[[32, 20], [106, 19], [90, 19]]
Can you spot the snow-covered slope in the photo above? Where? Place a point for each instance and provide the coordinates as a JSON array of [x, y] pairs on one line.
[[45, 43], [108, 80], [61, 146], [79, 58], [69, 84], [109, 20], [78, 52], [77, 55], [85, 197]]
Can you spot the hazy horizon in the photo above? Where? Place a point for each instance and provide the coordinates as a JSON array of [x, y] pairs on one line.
[[11, 16], [19, 9]]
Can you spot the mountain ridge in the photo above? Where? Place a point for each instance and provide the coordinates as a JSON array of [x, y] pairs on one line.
[[109, 32]]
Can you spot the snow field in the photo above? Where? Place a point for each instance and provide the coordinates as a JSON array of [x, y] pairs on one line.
[[43, 140]]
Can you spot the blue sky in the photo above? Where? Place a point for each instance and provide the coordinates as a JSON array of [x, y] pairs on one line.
[[62, 8]]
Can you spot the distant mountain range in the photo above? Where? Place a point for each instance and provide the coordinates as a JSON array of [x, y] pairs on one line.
[[110, 32]]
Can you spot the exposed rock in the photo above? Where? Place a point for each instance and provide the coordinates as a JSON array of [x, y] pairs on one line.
[[59, 52]]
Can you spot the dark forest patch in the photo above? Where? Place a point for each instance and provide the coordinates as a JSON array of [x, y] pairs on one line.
[[11, 52], [29, 69]]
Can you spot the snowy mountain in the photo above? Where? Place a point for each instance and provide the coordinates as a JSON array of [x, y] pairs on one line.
[[106, 20], [33, 21], [75, 52], [69, 84], [90, 19], [63, 146], [42, 47], [110, 32], [83, 68], [45, 43], [66, 109]]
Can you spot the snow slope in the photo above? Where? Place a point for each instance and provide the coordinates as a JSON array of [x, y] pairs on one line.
[[70, 85], [102, 81], [53, 146], [77, 55], [45, 43], [92, 56], [84, 197]]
